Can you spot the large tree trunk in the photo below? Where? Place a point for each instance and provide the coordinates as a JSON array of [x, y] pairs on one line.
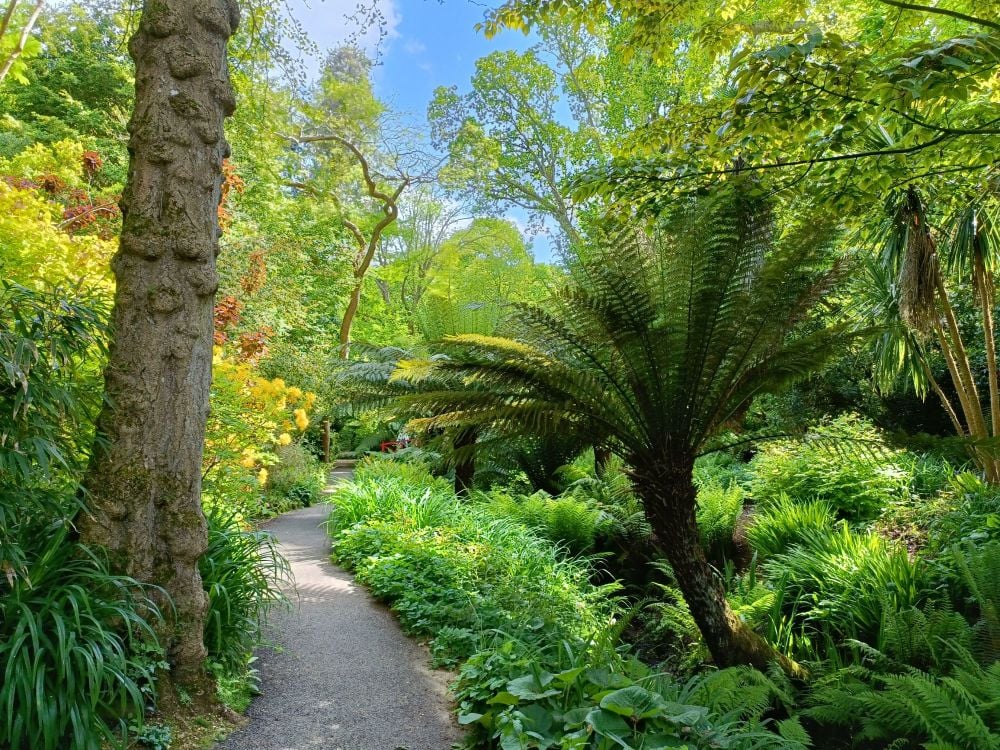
[[144, 481], [669, 497]]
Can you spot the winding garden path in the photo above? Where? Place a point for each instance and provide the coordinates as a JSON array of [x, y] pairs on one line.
[[344, 677]]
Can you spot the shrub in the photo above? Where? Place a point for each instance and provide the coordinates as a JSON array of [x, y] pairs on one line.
[[71, 679], [443, 562], [841, 583], [785, 523], [848, 464], [566, 521], [536, 641], [242, 572], [720, 469], [971, 513], [298, 477], [574, 697]]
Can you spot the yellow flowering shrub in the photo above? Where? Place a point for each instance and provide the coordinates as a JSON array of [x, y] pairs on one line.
[[250, 417]]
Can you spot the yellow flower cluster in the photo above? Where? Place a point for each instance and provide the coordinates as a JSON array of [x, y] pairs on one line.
[[250, 417], [301, 420]]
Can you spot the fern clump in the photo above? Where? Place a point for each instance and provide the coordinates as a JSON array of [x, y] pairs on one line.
[[847, 464], [571, 523], [934, 678], [719, 509]]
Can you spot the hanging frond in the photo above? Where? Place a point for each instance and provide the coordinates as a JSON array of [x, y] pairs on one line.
[[658, 340]]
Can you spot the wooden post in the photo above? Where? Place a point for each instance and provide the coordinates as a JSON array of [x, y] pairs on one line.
[[326, 441]]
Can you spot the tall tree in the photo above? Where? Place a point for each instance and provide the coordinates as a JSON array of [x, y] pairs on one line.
[[508, 147], [143, 487]]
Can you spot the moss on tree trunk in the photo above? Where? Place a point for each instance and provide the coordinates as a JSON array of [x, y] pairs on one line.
[[670, 499], [144, 482]]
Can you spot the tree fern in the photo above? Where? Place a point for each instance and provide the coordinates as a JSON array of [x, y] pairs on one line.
[[655, 345]]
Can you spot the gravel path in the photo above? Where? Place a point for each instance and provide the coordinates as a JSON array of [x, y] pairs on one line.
[[345, 676]]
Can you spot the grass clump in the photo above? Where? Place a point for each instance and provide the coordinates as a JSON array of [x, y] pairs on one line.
[[840, 583], [785, 523], [73, 674], [242, 572]]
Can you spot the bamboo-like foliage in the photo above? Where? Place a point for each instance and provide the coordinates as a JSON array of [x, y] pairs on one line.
[[911, 291]]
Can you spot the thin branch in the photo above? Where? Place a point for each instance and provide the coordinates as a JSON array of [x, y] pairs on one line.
[[22, 40], [943, 12], [5, 23], [805, 162]]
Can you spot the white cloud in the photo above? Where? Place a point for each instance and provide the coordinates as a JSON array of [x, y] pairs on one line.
[[414, 47]]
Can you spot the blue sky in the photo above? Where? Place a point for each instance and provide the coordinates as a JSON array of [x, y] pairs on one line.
[[427, 44]]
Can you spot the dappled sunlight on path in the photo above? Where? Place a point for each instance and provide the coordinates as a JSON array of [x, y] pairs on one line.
[[344, 677]]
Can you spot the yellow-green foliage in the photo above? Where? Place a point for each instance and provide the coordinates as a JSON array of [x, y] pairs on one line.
[[35, 247], [784, 522], [719, 508], [567, 521]]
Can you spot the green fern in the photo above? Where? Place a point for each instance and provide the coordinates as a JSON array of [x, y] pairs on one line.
[[719, 508], [928, 684]]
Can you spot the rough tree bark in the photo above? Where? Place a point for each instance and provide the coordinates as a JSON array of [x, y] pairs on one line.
[[144, 482], [670, 500]]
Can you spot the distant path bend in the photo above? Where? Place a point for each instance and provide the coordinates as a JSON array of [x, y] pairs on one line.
[[345, 676]]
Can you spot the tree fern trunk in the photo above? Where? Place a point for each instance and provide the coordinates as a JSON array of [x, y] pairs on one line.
[[144, 481], [669, 496], [465, 466]]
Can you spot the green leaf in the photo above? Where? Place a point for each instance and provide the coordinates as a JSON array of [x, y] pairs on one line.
[[685, 715], [531, 688], [610, 725], [635, 702], [503, 699]]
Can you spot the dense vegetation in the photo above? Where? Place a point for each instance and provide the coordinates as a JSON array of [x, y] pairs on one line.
[[722, 474]]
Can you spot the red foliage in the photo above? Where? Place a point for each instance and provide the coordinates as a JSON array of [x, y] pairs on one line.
[[256, 274], [20, 183], [86, 213], [92, 163], [50, 183], [227, 315], [231, 181], [253, 344]]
